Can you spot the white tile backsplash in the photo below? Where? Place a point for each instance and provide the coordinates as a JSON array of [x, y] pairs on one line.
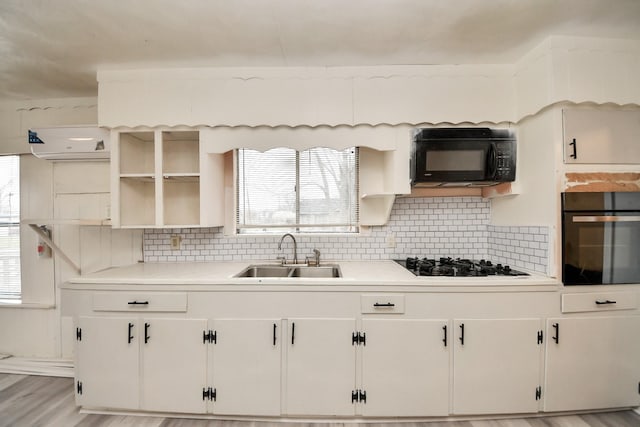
[[524, 247], [430, 226]]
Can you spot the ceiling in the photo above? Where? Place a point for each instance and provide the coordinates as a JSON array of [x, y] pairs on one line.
[[53, 48]]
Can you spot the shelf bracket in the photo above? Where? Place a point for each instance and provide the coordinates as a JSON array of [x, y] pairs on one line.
[[45, 238]]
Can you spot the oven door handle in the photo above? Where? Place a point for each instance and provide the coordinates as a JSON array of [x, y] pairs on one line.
[[606, 218]]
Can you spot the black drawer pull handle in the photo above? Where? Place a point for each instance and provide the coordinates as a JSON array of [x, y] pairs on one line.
[[388, 304], [130, 335], [146, 332], [461, 334], [138, 303], [444, 338], [556, 338], [605, 302]]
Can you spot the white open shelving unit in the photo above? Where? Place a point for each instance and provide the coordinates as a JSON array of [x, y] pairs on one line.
[[156, 177]]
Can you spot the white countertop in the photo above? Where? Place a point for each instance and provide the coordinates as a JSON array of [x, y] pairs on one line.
[[354, 273]]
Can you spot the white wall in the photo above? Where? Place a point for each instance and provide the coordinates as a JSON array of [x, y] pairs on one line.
[[577, 69], [17, 117], [60, 191], [536, 204], [31, 329]]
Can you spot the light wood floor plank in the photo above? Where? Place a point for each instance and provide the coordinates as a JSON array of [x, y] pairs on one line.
[[33, 401], [7, 380]]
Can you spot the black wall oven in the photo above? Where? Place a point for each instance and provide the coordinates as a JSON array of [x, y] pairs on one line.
[[600, 238]]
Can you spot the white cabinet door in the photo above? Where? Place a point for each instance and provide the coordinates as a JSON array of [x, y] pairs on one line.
[[592, 363], [247, 366], [107, 362], [174, 363], [320, 374], [405, 367], [598, 136], [496, 368]]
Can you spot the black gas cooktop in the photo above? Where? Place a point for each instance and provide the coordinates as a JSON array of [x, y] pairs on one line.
[[457, 267]]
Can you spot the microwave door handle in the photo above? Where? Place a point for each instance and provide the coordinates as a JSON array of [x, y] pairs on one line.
[[492, 161], [606, 218]]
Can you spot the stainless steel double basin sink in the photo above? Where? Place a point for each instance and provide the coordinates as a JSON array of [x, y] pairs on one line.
[[298, 271]]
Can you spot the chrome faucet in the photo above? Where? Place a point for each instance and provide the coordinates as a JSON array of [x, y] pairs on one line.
[[295, 246]]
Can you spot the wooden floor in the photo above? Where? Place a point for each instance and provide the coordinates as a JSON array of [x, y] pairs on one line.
[[31, 401]]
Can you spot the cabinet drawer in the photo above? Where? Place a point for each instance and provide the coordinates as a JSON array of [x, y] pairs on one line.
[[140, 301], [599, 301], [382, 303]]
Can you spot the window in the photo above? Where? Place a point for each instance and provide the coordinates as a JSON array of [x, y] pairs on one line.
[[9, 227], [284, 190]]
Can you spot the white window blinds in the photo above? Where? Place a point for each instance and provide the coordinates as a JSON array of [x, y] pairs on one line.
[[283, 190], [9, 227]]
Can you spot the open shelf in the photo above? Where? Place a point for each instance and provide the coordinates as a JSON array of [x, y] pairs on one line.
[[137, 202], [180, 152], [137, 153], [181, 202], [182, 177], [162, 178]]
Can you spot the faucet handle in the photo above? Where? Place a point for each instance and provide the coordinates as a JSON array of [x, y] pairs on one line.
[[282, 259], [315, 260]]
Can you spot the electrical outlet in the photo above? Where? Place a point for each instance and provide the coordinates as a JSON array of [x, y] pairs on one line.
[[391, 240], [176, 242]]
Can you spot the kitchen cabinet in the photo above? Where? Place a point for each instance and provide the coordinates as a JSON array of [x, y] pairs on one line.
[[238, 351], [246, 366], [405, 367], [320, 366], [592, 363], [107, 370], [156, 180], [601, 136], [496, 366], [174, 361], [383, 174], [134, 153], [138, 363]]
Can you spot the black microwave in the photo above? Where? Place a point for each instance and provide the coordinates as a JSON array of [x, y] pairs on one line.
[[462, 156]]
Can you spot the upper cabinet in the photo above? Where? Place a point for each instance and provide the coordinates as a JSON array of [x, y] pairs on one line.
[[601, 136], [156, 180]]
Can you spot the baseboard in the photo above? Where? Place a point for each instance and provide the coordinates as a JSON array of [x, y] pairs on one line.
[[33, 366]]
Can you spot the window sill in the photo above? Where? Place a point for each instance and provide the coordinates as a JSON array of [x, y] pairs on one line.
[[5, 303]]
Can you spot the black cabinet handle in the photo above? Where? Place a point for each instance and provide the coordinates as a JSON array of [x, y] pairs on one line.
[[444, 338], [605, 302], [146, 332], [293, 332], [130, 335], [274, 334], [388, 304], [574, 155], [138, 303], [461, 334], [556, 338]]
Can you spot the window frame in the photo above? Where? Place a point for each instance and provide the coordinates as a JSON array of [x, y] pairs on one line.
[[15, 297], [297, 227]]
